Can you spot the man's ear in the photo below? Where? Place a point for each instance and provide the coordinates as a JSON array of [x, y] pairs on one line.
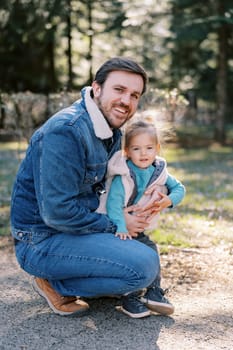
[[96, 89]]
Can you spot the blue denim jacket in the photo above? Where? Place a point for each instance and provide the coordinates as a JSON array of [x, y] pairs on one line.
[[54, 190]]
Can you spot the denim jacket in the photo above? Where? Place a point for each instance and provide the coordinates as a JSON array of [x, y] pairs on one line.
[[56, 185]]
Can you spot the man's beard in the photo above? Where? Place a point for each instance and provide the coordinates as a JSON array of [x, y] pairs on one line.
[[108, 118]]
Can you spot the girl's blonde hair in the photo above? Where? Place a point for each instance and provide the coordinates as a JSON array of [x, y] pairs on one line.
[[137, 128]]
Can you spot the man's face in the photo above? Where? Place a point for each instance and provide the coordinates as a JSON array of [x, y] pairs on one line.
[[118, 97]]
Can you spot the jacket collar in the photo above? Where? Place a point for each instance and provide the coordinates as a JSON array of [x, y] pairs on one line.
[[100, 125]]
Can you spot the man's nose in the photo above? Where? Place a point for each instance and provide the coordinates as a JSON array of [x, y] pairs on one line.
[[125, 99]]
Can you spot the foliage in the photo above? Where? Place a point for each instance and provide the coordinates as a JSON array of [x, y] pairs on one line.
[[194, 44], [27, 44], [202, 47], [47, 46], [35, 39]]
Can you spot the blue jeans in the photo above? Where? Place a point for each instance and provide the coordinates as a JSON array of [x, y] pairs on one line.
[[90, 265]]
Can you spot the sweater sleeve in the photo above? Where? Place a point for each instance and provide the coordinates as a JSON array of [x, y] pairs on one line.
[[115, 204], [176, 190]]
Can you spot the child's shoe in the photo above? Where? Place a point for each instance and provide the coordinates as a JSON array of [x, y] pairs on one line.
[[154, 299], [133, 307]]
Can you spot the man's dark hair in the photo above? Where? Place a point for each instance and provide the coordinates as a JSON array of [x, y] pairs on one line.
[[121, 64]]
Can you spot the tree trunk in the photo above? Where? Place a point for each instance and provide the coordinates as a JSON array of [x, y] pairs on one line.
[[90, 34], [52, 80], [69, 47], [221, 85]]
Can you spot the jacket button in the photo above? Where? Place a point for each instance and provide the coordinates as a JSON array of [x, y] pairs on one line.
[[20, 234]]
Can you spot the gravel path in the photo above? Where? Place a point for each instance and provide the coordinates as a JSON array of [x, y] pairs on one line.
[[201, 288]]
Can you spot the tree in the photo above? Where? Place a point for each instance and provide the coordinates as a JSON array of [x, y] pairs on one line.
[[222, 71], [68, 20], [27, 45], [201, 51]]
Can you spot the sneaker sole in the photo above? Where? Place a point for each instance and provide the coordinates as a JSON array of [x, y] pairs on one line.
[[56, 311], [141, 315], [160, 308]]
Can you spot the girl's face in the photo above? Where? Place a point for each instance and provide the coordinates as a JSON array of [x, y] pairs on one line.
[[142, 150]]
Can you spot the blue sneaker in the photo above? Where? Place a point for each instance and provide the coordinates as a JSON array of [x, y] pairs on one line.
[[133, 307], [154, 299]]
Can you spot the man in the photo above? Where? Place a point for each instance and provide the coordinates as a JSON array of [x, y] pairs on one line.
[[60, 239]]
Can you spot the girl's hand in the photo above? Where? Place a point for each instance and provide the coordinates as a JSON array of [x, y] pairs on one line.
[[123, 236], [153, 207], [161, 204]]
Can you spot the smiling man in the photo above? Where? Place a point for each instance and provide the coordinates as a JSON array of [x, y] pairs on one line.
[[60, 239], [118, 97]]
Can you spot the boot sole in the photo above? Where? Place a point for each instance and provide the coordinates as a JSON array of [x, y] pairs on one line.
[[56, 311]]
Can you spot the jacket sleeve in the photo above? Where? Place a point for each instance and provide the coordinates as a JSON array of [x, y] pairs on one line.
[[61, 165], [176, 190], [115, 204]]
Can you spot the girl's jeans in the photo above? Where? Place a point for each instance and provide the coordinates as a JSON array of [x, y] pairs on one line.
[[146, 240], [90, 265]]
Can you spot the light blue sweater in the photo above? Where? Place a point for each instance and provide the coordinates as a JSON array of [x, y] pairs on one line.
[[115, 199]]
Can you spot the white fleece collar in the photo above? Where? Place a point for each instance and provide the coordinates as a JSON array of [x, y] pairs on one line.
[[101, 127]]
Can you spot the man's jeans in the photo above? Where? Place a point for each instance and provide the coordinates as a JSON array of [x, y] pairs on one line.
[[90, 265]]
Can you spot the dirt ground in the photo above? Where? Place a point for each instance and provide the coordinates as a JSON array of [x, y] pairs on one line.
[[200, 283]]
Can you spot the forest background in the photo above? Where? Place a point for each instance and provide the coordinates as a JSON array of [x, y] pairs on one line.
[[50, 49]]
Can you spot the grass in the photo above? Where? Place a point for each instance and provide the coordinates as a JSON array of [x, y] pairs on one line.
[[205, 217]]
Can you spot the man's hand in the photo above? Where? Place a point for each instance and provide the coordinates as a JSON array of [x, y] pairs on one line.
[[135, 224]]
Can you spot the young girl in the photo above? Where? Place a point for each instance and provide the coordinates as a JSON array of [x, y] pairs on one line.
[[129, 175]]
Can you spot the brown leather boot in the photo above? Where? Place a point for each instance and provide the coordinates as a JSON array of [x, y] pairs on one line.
[[60, 305]]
